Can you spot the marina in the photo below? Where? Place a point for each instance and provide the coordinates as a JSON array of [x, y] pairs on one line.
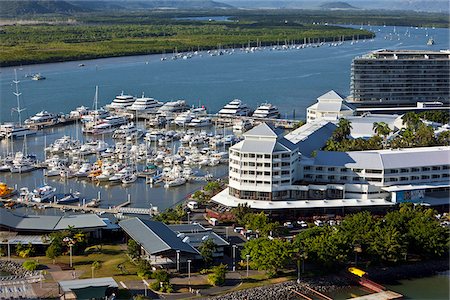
[[158, 119]]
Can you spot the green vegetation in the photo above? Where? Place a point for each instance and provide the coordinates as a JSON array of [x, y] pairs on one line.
[[144, 269], [171, 215], [30, 265], [114, 36], [416, 134], [133, 249], [207, 249], [162, 282], [217, 275], [24, 250]]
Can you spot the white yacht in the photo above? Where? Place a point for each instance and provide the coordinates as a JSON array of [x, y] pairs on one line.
[[122, 101], [128, 130], [43, 194], [14, 131], [79, 112], [41, 117], [183, 118], [242, 126], [37, 76], [235, 108], [266, 111], [200, 122], [173, 107], [145, 104]]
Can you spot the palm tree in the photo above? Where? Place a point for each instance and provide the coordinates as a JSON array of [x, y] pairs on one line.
[[411, 120], [346, 126], [381, 128]]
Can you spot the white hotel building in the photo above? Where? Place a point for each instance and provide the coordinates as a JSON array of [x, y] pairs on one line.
[[268, 172]]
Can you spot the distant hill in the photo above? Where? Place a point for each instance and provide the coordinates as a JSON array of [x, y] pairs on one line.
[[28, 7], [337, 5]]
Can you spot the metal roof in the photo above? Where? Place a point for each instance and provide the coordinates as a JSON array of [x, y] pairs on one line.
[[253, 146], [311, 136], [197, 234], [69, 285], [155, 237], [263, 129], [20, 222], [331, 95]]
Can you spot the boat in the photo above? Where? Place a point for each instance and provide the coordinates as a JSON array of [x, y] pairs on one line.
[[175, 182], [145, 104], [266, 111], [117, 177], [129, 179], [121, 101], [93, 203], [128, 131], [200, 122], [108, 125], [42, 117], [79, 112], [42, 194], [37, 76], [173, 107], [150, 169], [430, 41], [67, 198], [235, 108], [6, 191], [22, 162], [242, 125], [183, 118], [84, 171]]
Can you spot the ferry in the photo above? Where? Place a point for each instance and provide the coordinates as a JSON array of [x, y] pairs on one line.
[[145, 104], [266, 111], [42, 117], [235, 109], [173, 107], [121, 101]]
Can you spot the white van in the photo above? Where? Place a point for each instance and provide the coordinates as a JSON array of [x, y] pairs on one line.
[[213, 221], [192, 205]]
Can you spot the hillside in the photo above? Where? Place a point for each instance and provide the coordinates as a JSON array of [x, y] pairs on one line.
[[336, 5], [32, 7]]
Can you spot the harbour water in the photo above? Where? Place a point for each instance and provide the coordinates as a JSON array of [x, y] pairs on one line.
[[291, 79]]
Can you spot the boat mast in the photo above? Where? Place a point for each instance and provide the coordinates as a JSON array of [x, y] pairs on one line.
[[17, 93]]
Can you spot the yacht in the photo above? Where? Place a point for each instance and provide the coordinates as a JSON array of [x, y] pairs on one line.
[[14, 131], [108, 125], [128, 131], [183, 118], [173, 107], [235, 108], [43, 194], [430, 42], [242, 125], [200, 122], [266, 111], [41, 117], [79, 112], [122, 101], [145, 104]]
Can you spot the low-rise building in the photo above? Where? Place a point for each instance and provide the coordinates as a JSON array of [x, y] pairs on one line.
[[329, 107]]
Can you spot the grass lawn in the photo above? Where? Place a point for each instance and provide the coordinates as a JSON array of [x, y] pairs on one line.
[[109, 257]]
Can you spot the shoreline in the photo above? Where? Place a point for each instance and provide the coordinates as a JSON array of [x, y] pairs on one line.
[[333, 283]]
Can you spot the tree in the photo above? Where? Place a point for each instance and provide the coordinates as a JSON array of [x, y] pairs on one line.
[[207, 249], [411, 120], [217, 276], [268, 255], [343, 130], [381, 128], [387, 243], [240, 212], [54, 251], [24, 251], [260, 223], [133, 249], [212, 187], [443, 138], [162, 282], [144, 269]]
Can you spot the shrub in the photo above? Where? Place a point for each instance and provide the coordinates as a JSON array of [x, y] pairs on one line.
[[217, 277], [30, 265]]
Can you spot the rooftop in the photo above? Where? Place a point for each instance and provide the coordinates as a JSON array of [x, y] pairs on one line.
[[69, 285], [311, 136]]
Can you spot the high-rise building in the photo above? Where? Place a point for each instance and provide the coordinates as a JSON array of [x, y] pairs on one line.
[[400, 78]]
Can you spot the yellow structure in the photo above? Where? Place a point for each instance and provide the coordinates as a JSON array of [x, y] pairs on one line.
[[6, 191], [357, 272]]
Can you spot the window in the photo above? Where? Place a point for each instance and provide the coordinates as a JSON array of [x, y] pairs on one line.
[[276, 165], [343, 177], [376, 179], [404, 170], [251, 172], [425, 177], [266, 155], [251, 155], [435, 176], [435, 168], [259, 156], [445, 175], [285, 155], [356, 178], [285, 164], [307, 168], [393, 171], [331, 169], [267, 165], [245, 155], [276, 173], [374, 171], [414, 177], [285, 172], [424, 169], [251, 164], [331, 177], [319, 176], [259, 164], [266, 173], [415, 170], [319, 168], [445, 167], [357, 170], [404, 178], [343, 169], [259, 173]]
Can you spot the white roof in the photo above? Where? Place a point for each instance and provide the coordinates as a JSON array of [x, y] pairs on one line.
[[386, 159], [362, 126], [331, 96], [226, 199], [68, 285], [411, 187], [262, 129]]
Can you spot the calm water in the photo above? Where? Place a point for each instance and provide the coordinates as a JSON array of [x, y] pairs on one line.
[[434, 287], [290, 79]]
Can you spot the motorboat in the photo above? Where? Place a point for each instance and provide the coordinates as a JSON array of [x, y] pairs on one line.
[[23, 163], [266, 111], [175, 182], [128, 131], [84, 171], [153, 136], [235, 108], [67, 198], [200, 122], [79, 112], [145, 104], [173, 107], [37, 76], [117, 177], [93, 203], [42, 194], [42, 117], [108, 125], [183, 118], [129, 179], [242, 125], [121, 101]]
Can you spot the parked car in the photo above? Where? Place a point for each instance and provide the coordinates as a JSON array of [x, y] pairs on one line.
[[318, 223], [302, 224], [288, 225]]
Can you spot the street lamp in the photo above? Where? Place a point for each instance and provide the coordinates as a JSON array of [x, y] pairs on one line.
[[70, 252], [189, 213], [248, 256], [189, 271], [234, 257], [9, 251], [178, 260], [70, 242]]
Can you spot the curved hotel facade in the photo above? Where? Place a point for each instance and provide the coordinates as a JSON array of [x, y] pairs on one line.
[[268, 172]]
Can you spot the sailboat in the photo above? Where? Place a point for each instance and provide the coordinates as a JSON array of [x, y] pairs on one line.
[[12, 130]]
